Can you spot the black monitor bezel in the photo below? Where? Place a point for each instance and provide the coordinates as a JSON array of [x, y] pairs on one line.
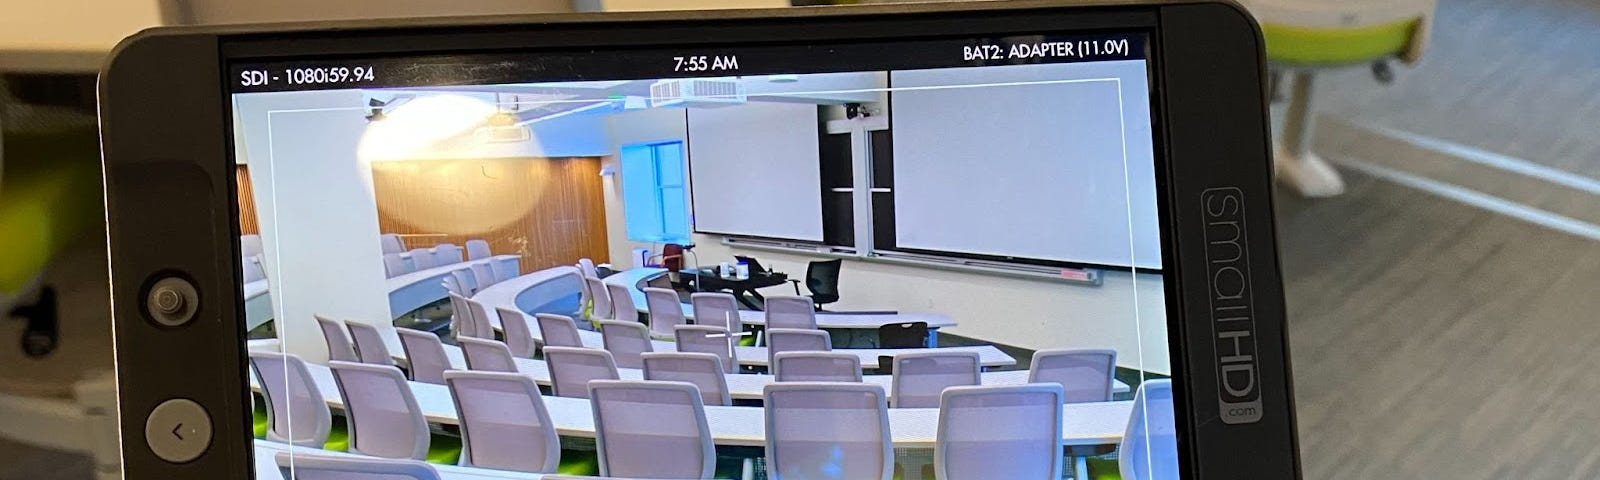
[[166, 111]]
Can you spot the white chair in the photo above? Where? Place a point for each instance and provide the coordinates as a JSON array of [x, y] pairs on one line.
[[482, 321], [370, 347], [461, 317], [626, 341], [504, 422], [716, 308], [827, 430], [421, 259], [816, 367], [250, 246], [337, 339], [482, 275], [781, 340], [571, 369], [477, 250], [485, 355], [463, 278], [622, 305], [446, 254], [514, 326], [1085, 375], [920, 377], [709, 339], [394, 265], [503, 271], [665, 312], [1011, 431], [391, 243], [307, 466], [426, 356], [1149, 449], [787, 311], [704, 370], [558, 330], [586, 267], [296, 411], [252, 269], [651, 430], [384, 418], [603, 308], [452, 285]]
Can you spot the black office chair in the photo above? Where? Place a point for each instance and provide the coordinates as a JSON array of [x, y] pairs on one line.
[[903, 335], [822, 279]]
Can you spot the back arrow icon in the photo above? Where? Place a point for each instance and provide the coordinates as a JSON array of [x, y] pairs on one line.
[[175, 431]]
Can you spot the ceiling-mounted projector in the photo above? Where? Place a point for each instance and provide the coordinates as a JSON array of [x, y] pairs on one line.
[[697, 92]]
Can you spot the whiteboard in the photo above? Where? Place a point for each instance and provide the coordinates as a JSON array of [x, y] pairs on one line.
[[755, 170]]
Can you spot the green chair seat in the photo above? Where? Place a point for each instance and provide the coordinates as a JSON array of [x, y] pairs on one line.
[[1327, 46]]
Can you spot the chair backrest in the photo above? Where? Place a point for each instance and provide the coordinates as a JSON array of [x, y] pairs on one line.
[[453, 285], [716, 308], [482, 327], [296, 411], [781, 340], [426, 355], [1149, 449], [461, 316], [651, 430], [704, 370], [477, 249], [504, 422], [1086, 375], [585, 296], [816, 367], [557, 330], [370, 347], [586, 267], [514, 324], [622, 305], [503, 271], [571, 369], [827, 430], [903, 335], [625, 341], [382, 412], [708, 339], [486, 355], [920, 377], [482, 275], [822, 279], [250, 246], [665, 311], [463, 278], [788, 311], [252, 269], [446, 254], [421, 258], [299, 465], [391, 243], [602, 299], [394, 266], [1011, 431], [337, 339]]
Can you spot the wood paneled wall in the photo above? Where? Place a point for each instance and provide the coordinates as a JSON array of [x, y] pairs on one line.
[[549, 210], [248, 224]]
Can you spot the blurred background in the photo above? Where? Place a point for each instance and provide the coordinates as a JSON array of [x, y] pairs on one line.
[[1439, 225]]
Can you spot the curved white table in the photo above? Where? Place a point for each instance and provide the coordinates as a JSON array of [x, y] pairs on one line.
[[418, 289], [266, 452], [748, 386], [528, 292], [1082, 424], [632, 278]]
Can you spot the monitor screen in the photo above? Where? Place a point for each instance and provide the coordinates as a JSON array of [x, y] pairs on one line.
[[925, 227]]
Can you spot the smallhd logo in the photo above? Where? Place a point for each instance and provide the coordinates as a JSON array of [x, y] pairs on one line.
[[1232, 312]]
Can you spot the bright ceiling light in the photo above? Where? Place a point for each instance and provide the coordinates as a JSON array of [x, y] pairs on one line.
[[418, 125]]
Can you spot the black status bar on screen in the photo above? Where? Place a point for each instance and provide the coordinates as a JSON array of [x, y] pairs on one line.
[[555, 66]]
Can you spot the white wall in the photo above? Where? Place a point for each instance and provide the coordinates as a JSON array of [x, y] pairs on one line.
[[1026, 313], [319, 222]]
